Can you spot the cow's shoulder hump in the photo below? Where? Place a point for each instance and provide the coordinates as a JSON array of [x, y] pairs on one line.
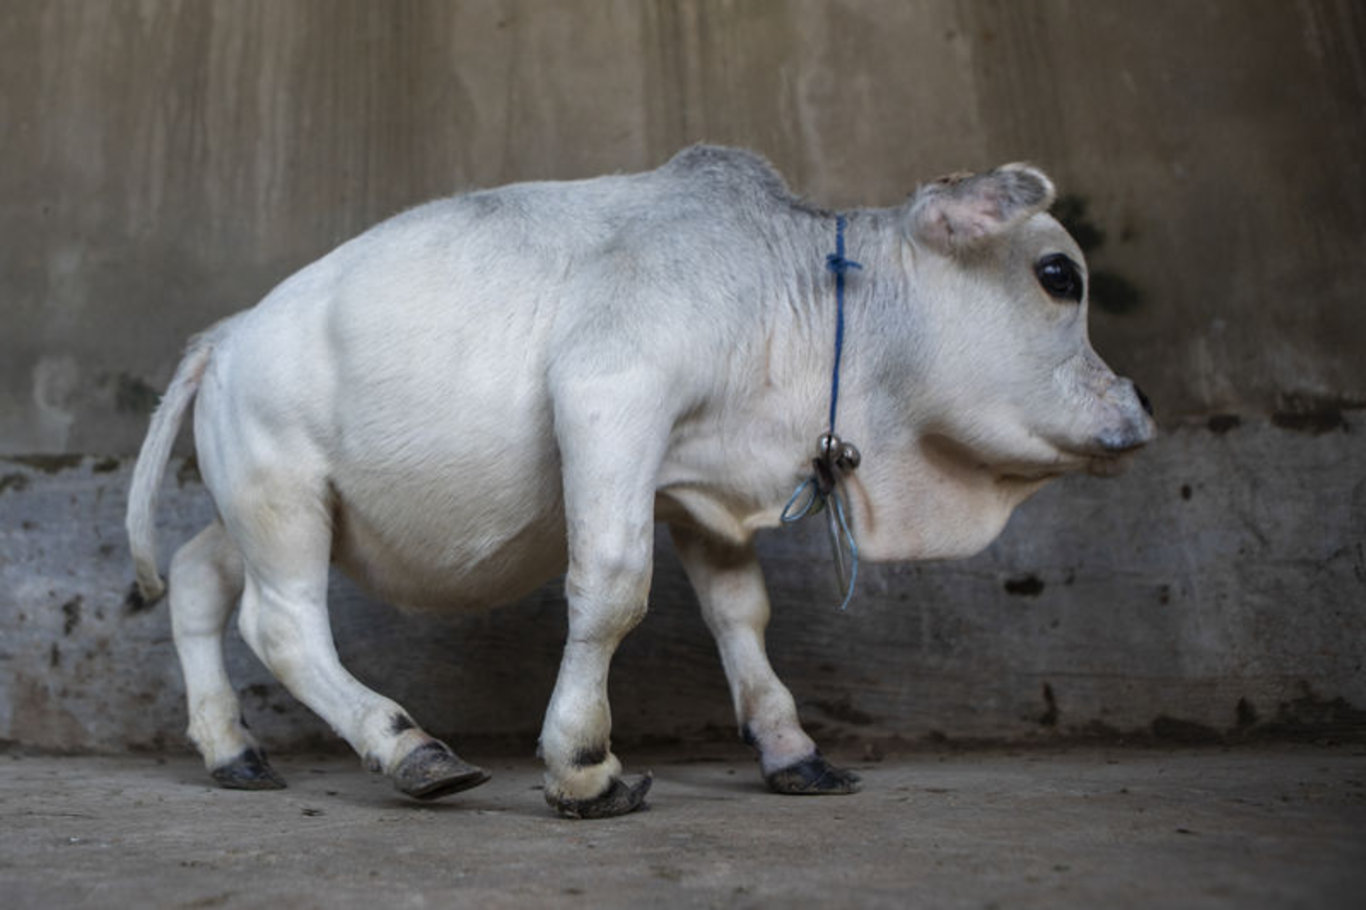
[[725, 172]]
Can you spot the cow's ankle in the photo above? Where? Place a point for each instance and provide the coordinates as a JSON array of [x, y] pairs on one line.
[[813, 776], [778, 748], [619, 798], [586, 776], [248, 770]]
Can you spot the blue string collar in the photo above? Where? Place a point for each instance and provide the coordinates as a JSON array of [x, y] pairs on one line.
[[823, 490]]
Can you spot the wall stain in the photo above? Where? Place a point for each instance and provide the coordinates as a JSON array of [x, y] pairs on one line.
[[132, 395], [106, 465], [1049, 718], [1312, 414], [1219, 424], [72, 611], [1071, 211], [1184, 732], [1308, 718], [43, 717], [843, 710], [1312, 718], [48, 464], [16, 482], [1109, 290], [1029, 585]]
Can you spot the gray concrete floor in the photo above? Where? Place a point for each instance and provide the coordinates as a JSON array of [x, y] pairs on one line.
[[1247, 828]]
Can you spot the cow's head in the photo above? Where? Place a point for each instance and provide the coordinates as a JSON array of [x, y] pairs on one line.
[[1006, 289], [988, 368]]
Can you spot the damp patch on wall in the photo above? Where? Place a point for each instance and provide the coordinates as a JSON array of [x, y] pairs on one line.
[[1110, 291]]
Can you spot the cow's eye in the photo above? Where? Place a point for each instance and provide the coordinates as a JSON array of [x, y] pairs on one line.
[[1060, 277]]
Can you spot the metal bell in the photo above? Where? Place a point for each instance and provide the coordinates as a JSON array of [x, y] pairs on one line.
[[828, 447]]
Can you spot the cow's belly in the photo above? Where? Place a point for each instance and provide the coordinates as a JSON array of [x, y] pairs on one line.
[[433, 542], [444, 467]]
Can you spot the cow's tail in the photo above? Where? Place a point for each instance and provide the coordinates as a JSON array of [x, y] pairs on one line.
[[151, 466]]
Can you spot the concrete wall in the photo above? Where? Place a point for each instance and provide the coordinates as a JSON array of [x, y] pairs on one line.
[[167, 162]]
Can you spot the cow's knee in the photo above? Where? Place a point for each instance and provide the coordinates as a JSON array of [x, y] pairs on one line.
[[206, 578], [608, 590]]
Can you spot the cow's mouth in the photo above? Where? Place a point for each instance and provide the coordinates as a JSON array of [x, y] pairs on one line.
[[1110, 452], [1103, 458]]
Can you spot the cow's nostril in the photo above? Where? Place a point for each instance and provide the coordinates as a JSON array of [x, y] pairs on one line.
[[1143, 400]]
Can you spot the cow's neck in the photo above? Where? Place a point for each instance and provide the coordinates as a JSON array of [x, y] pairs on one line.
[[914, 495], [910, 498], [925, 500]]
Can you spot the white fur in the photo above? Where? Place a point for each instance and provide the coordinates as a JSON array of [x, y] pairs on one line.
[[482, 392]]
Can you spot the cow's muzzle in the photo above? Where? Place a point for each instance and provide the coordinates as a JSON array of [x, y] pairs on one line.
[[1134, 429]]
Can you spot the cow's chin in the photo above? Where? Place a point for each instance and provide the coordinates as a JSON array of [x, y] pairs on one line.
[[1105, 455], [1061, 461], [1033, 458], [1109, 465], [1105, 465], [1084, 461]]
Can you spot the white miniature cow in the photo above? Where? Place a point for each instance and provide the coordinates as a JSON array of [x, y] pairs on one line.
[[492, 389]]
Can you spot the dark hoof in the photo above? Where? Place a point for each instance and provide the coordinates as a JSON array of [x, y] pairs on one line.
[[813, 776], [432, 771], [618, 799], [249, 771]]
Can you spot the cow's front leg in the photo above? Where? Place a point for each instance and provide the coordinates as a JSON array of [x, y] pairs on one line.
[[730, 587], [583, 777], [611, 442]]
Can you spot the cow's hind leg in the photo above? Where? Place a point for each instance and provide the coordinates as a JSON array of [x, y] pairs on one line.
[[730, 587], [285, 547], [206, 581]]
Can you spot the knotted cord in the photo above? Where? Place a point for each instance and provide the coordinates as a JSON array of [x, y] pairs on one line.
[[834, 457]]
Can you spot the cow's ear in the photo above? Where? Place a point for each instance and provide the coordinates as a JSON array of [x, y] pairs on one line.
[[962, 211]]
